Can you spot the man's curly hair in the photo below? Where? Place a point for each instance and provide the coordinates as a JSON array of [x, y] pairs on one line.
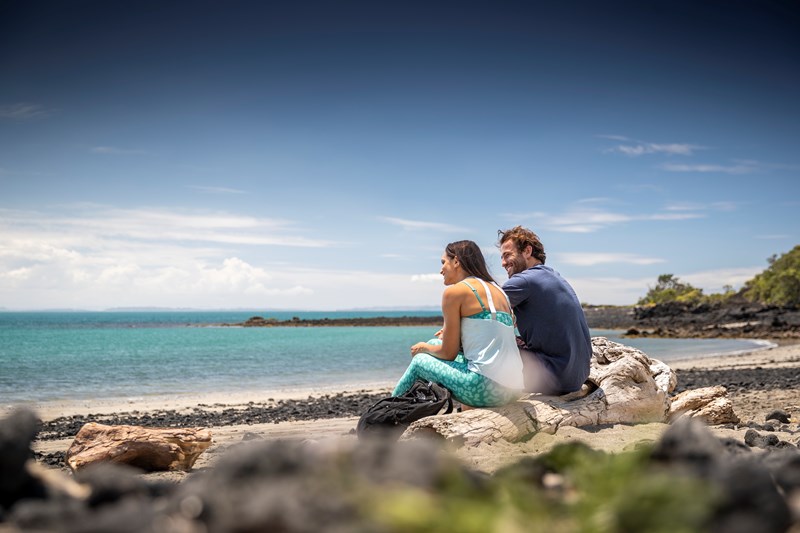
[[523, 237]]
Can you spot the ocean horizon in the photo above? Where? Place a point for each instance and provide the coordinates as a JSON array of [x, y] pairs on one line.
[[50, 356]]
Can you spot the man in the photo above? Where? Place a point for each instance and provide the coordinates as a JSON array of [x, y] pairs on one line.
[[557, 347]]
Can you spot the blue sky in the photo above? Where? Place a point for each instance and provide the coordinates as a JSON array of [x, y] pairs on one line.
[[320, 155]]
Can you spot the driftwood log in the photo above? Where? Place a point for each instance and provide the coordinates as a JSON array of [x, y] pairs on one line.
[[624, 386], [709, 404], [151, 449]]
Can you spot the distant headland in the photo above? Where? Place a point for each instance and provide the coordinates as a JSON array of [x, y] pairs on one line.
[[399, 321]]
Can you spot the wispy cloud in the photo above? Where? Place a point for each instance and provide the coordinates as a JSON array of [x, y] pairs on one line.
[[23, 111], [737, 168], [640, 187], [90, 225], [215, 190], [426, 278], [591, 258], [113, 150], [609, 290], [584, 217], [714, 280], [635, 148], [421, 225], [694, 206], [93, 255], [774, 237], [625, 291]]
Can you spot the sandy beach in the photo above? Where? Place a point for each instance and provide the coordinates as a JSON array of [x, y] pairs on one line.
[[759, 382]]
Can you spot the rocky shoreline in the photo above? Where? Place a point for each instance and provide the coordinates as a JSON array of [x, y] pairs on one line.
[[748, 380], [254, 478], [297, 322], [734, 319]]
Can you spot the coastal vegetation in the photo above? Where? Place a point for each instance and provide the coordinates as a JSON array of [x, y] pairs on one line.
[[779, 284]]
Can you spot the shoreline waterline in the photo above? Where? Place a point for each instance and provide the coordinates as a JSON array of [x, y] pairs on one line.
[[131, 358], [210, 400]]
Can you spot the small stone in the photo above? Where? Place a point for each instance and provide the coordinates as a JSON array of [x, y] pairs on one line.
[[779, 415], [754, 439]]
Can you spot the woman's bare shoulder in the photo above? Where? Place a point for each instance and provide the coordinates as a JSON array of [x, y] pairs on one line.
[[456, 290]]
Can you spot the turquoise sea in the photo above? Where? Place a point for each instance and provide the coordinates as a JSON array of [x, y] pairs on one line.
[[48, 356]]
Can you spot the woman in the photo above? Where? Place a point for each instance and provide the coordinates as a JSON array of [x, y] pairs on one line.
[[477, 317]]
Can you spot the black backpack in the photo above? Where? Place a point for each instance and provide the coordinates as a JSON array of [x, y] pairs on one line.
[[391, 416]]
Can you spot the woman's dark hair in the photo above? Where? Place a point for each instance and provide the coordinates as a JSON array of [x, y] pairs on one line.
[[471, 258]]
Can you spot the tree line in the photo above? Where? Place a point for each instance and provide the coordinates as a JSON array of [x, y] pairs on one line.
[[778, 284]]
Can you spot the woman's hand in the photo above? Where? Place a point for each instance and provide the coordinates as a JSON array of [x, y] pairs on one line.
[[420, 347], [439, 333]]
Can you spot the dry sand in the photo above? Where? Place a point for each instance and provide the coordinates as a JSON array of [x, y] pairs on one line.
[[753, 404]]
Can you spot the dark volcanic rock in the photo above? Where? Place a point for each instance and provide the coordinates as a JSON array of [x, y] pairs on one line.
[[738, 379], [16, 434], [734, 318], [296, 486], [750, 499], [609, 316], [314, 408], [296, 322], [754, 439], [779, 415]]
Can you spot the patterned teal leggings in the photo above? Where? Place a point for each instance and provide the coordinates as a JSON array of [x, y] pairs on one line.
[[468, 387]]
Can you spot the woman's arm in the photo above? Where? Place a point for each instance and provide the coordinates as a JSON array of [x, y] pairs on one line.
[[451, 332]]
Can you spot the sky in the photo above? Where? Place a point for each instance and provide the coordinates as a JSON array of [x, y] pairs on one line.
[[320, 155]]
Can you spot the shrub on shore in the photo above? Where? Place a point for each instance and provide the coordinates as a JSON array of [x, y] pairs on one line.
[[778, 285]]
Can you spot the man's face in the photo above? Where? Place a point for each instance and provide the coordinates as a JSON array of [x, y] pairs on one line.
[[512, 259]]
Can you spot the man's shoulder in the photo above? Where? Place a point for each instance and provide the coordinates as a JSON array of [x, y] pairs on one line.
[[529, 275]]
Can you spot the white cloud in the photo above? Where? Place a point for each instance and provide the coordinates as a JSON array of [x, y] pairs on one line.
[[23, 111], [94, 225], [704, 168], [591, 259], [426, 278], [674, 216], [695, 206], [642, 149], [776, 236], [627, 291], [608, 290], [613, 137], [636, 148], [712, 281], [95, 257], [215, 190], [581, 218], [98, 256], [422, 225], [113, 150]]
